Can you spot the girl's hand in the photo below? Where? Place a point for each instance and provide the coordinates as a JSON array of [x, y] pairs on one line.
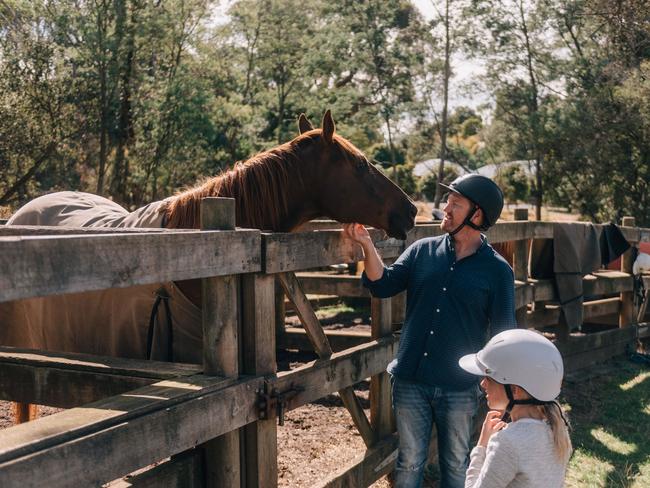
[[492, 424], [356, 232]]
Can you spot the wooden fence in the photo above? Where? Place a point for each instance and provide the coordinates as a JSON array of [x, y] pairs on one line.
[[215, 424]]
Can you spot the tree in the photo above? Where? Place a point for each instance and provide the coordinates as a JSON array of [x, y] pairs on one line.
[[515, 38], [36, 116], [599, 133], [386, 50], [449, 28]]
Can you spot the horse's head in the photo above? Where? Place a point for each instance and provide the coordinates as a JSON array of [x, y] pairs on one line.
[[350, 189]]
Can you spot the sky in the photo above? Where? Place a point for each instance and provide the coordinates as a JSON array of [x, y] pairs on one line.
[[464, 69]]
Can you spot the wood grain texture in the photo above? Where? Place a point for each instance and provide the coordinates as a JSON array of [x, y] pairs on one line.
[[39, 266]]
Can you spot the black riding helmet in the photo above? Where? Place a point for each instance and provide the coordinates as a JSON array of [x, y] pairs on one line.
[[483, 193]]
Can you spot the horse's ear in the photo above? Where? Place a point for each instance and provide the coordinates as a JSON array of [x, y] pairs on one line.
[[328, 126], [303, 124]]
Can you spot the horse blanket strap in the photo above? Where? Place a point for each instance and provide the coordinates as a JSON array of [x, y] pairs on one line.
[[161, 296]]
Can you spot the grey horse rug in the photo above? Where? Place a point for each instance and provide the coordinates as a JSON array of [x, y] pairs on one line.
[[114, 322]]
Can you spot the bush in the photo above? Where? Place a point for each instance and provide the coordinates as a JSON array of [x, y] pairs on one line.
[[514, 183]]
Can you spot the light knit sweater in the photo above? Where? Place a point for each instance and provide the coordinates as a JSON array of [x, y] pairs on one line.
[[520, 456]]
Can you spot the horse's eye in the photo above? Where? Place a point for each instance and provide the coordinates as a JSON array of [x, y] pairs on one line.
[[361, 166]]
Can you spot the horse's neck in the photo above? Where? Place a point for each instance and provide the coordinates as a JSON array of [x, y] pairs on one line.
[[299, 208]]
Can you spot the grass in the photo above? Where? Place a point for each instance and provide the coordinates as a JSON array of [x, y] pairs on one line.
[[611, 427], [335, 311]]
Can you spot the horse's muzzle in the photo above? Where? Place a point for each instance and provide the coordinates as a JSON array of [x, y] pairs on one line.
[[399, 223]]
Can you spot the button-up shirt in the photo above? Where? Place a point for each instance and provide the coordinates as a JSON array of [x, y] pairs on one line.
[[452, 308]]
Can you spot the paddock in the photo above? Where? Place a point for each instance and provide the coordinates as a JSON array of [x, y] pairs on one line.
[[215, 424]]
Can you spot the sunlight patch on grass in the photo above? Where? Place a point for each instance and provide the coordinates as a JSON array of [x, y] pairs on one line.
[[332, 311], [646, 409], [642, 480], [635, 381], [612, 442], [587, 470]]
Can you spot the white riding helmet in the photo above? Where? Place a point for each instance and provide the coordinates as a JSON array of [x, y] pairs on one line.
[[520, 357]]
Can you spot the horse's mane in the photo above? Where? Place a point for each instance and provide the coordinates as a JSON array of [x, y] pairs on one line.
[[259, 185]]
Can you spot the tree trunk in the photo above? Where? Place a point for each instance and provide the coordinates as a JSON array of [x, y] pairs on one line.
[[125, 128], [393, 160], [103, 101], [539, 194], [533, 107], [445, 107]]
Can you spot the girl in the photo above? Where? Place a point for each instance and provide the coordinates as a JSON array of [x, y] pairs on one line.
[[524, 441]]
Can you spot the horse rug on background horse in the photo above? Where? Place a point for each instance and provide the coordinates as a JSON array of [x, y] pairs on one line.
[[125, 322]]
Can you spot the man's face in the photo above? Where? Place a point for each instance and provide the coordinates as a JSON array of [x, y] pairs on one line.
[[456, 209]]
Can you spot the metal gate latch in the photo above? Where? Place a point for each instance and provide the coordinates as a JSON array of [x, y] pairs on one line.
[[275, 400]]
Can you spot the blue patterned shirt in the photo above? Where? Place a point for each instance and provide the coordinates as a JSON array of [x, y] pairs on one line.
[[452, 308]]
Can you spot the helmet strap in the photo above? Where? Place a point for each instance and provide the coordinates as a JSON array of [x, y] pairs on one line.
[[512, 402], [468, 222]]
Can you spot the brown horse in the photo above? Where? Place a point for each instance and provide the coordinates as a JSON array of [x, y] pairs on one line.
[[317, 174]]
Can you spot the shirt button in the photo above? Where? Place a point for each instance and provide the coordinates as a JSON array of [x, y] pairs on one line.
[[426, 354], [451, 269], [431, 332], [444, 288], [438, 310]]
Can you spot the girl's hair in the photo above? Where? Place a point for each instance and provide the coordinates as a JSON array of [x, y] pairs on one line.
[[560, 428]]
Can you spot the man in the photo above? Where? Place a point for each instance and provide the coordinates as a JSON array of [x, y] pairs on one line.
[[459, 293]]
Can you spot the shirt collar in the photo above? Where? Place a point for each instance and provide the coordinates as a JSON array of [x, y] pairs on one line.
[[451, 248]]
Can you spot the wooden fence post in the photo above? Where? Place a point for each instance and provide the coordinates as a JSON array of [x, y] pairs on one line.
[[220, 309], [626, 315], [521, 266], [258, 351], [381, 412]]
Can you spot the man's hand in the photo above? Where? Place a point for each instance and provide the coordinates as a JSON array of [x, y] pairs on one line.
[[492, 424], [372, 262], [356, 232]]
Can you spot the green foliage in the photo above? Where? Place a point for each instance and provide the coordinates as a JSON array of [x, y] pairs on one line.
[[465, 121], [460, 154], [381, 153], [428, 183], [514, 183], [404, 178], [471, 126], [136, 99], [598, 143], [402, 175]]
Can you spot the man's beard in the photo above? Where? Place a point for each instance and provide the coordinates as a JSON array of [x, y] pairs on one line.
[[447, 225]]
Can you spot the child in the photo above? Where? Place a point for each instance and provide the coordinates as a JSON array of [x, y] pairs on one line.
[[524, 441]]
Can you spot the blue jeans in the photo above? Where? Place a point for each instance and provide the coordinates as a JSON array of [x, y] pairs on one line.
[[416, 407]]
